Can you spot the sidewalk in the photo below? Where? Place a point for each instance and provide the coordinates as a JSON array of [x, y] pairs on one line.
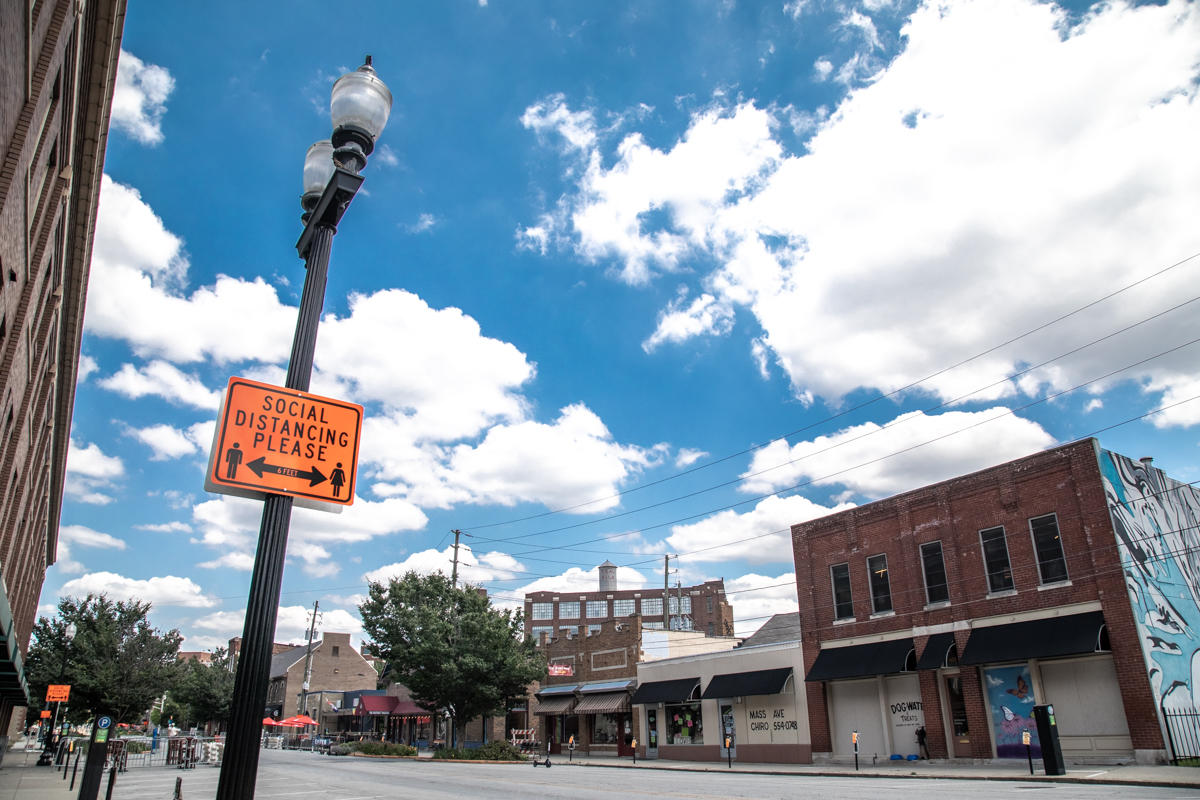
[[1132, 775], [22, 779]]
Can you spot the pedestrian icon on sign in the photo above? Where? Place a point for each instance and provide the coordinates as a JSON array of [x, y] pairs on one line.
[[337, 479], [233, 457]]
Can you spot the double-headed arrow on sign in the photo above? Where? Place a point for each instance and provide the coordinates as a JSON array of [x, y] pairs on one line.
[[259, 465]]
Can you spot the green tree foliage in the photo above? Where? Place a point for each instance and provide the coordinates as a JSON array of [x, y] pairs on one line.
[[204, 691], [449, 646], [116, 664]]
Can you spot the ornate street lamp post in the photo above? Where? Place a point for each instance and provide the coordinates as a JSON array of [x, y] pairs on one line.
[[359, 107]]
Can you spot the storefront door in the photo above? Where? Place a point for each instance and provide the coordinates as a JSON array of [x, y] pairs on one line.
[[728, 732], [651, 733], [960, 735], [625, 735]]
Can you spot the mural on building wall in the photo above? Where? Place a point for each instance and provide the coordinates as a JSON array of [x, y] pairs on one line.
[[1157, 522], [1011, 703]]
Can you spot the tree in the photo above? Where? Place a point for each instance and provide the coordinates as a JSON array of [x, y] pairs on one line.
[[204, 691], [116, 664], [449, 647]]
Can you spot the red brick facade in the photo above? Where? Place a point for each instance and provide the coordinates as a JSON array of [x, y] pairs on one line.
[[710, 613], [59, 62], [1064, 481]]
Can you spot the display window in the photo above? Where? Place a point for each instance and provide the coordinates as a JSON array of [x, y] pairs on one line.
[[684, 723], [605, 729]]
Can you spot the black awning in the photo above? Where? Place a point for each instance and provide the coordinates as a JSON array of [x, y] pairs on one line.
[[861, 660], [1040, 638], [675, 691], [937, 649], [745, 684]]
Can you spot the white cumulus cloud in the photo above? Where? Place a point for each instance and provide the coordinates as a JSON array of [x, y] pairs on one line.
[[139, 100]]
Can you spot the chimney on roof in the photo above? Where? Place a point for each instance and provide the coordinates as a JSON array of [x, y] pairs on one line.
[[608, 577], [1147, 461]]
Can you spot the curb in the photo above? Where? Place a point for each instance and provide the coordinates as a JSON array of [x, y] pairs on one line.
[[909, 775]]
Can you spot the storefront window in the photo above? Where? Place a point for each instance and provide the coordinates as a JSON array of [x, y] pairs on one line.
[[684, 725], [605, 729]]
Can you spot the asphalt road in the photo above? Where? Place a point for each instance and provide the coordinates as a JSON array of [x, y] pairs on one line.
[[307, 776]]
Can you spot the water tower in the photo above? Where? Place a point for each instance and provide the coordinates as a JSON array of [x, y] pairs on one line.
[[608, 577]]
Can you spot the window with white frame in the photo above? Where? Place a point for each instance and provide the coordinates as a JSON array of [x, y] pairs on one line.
[[651, 606], [624, 608], [995, 559], [881, 586], [569, 610], [542, 611], [684, 603], [597, 608], [1047, 544]]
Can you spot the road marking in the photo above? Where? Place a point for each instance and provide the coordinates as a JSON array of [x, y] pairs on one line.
[[1097, 774]]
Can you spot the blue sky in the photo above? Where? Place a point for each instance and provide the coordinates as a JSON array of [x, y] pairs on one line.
[[629, 279]]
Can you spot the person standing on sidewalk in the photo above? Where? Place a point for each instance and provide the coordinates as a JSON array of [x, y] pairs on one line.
[[922, 748]]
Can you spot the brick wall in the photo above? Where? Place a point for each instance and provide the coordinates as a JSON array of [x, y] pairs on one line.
[[1064, 481]]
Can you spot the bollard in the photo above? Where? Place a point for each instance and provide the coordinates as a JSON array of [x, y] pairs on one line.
[[78, 755], [112, 779], [178, 789]]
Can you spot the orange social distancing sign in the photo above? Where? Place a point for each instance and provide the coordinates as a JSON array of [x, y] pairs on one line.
[[273, 440]]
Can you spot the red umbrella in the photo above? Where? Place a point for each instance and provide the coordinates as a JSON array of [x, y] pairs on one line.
[[299, 719], [270, 722]]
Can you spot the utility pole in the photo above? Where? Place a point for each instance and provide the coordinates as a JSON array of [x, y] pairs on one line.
[[667, 592], [454, 574], [312, 630]]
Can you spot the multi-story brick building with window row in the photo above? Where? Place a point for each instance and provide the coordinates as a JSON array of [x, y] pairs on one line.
[[1068, 577], [59, 62], [701, 608]]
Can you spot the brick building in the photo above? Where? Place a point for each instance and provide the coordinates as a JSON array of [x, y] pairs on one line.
[[1066, 577], [700, 608], [336, 666], [592, 679], [59, 62]]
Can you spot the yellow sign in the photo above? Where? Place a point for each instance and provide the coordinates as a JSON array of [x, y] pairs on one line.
[[58, 692], [272, 440], [1025, 738]]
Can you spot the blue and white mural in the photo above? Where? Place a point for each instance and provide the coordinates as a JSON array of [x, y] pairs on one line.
[[1157, 522]]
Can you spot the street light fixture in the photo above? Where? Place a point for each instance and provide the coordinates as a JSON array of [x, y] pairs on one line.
[[359, 110]]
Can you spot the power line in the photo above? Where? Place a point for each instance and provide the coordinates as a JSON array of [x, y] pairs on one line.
[[858, 406], [896, 422]]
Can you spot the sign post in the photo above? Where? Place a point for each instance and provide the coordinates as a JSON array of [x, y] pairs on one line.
[[56, 693], [1025, 740], [854, 739], [97, 754]]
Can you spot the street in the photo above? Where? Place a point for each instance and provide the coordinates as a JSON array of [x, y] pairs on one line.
[[294, 774]]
